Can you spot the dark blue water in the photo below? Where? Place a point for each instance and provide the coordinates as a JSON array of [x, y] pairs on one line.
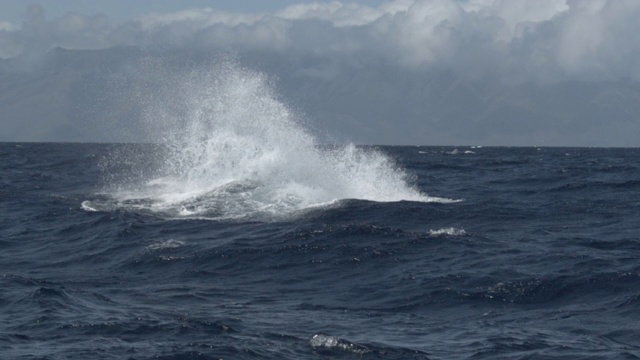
[[540, 260]]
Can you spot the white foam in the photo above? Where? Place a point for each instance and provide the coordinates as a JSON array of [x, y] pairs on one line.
[[86, 206], [166, 244], [447, 231], [328, 342], [236, 151]]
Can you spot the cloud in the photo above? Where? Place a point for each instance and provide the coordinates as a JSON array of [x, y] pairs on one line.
[[336, 13], [7, 26], [515, 40], [38, 34], [197, 19]]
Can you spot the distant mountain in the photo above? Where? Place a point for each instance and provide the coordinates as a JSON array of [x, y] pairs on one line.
[[93, 96]]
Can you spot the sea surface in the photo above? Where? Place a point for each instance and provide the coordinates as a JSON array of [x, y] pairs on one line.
[[123, 251]]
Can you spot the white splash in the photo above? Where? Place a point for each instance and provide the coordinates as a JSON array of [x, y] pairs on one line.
[[236, 151]]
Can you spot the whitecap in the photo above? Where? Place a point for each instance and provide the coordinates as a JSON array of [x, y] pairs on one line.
[[328, 342], [451, 231], [87, 206], [166, 244]]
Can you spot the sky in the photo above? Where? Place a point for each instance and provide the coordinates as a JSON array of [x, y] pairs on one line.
[[533, 43], [545, 40]]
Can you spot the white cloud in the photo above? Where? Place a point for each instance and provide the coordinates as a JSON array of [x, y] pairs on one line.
[[516, 15], [591, 40], [10, 44], [425, 32], [337, 13], [599, 37], [7, 26], [197, 19], [542, 40]]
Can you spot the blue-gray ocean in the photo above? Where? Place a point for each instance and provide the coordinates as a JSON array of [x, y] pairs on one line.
[[299, 251]]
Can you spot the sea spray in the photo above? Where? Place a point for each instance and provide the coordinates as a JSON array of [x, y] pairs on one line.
[[232, 149]]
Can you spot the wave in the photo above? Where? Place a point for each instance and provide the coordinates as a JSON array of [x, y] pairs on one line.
[[328, 342], [234, 151], [329, 345]]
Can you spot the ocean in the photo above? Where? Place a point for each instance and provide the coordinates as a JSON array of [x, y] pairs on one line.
[[516, 253], [237, 234]]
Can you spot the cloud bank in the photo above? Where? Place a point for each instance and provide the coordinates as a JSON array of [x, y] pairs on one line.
[[513, 40]]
